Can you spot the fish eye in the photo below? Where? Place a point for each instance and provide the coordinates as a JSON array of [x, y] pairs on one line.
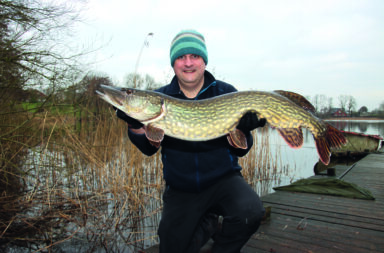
[[129, 91]]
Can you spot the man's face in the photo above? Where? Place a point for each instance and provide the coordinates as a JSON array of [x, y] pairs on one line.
[[189, 70]]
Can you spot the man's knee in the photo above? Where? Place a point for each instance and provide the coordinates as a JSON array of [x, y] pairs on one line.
[[251, 215], [243, 225]]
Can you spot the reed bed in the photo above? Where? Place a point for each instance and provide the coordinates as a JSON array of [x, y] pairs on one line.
[[263, 166], [91, 190]]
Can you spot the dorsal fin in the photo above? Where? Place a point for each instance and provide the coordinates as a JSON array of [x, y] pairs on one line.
[[297, 99]]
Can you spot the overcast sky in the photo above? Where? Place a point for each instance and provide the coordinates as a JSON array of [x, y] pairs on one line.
[[329, 47]]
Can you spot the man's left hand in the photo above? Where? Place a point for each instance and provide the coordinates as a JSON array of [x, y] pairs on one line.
[[250, 122]]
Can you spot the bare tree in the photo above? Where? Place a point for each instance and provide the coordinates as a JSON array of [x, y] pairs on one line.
[[329, 105], [321, 103], [316, 102], [343, 99], [136, 81], [351, 104], [34, 52]]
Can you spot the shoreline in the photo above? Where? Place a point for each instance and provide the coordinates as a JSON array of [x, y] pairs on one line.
[[353, 118]]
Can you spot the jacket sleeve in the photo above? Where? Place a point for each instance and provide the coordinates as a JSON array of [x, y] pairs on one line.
[[142, 143]]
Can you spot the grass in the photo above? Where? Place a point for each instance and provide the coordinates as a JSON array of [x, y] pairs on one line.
[[90, 189]]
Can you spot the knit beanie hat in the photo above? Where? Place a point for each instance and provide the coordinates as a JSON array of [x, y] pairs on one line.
[[188, 42]]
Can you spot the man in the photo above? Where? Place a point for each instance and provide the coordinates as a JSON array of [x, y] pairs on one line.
[[205, 196]]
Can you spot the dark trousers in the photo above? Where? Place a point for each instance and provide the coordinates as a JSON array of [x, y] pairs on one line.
[[229, 212]]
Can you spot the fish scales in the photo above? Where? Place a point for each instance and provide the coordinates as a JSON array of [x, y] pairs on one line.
[[221, 114], [201, 120]]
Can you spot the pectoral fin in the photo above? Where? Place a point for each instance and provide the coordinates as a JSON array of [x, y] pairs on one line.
[[154, 135], [155, 144], [237, 139]]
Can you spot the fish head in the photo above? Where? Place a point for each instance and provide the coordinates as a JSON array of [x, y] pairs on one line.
[[138, 104]]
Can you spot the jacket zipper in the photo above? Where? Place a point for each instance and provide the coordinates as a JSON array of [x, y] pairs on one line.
[[196, 155]]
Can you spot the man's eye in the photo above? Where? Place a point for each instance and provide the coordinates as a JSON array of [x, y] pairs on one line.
[[181, 57], [196, 56]]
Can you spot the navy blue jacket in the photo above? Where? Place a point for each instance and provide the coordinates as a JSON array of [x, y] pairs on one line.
[[193, 166]]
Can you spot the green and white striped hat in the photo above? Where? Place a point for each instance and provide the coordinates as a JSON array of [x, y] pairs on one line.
[[188, 42]]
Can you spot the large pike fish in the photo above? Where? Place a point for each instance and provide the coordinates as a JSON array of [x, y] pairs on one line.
[[201, 120]]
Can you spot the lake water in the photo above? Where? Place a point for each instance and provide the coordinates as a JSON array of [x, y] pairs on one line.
[[301, 161], [374, 127]]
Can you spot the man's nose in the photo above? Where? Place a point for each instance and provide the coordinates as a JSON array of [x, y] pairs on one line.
[[188, 60]]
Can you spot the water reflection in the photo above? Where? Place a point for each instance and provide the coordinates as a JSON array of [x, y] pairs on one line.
[[299, 162], [374, 127]]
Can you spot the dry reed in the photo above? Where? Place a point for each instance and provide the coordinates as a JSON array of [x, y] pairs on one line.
[[94, 191], [262, 166]]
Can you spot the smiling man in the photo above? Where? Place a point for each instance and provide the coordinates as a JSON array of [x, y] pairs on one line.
[[189, 69], [205, 196], [189, 59]]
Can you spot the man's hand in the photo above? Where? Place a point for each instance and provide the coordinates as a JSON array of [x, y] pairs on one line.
[[133, 123], [250, 122]]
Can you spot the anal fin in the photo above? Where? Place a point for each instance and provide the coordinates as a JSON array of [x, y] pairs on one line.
[[292, 136]]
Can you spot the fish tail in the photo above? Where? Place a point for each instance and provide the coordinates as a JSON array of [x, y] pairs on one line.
[[332, 138], [335, 137]]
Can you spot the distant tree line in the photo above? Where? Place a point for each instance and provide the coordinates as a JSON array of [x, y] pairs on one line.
[[325, 106]]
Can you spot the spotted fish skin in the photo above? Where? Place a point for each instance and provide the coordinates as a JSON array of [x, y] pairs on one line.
[[201, 120]]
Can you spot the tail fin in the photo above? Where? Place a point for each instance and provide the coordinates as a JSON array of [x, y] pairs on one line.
[[333, 138]]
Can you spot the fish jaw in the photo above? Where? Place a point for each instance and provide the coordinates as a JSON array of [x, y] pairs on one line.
[[112, 95], [132, 102]]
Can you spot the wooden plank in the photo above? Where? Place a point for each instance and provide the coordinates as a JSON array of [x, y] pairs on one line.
[[302, 222], [321, 200], [326, 231], [334, 218], [327, 209], [318, 235], [366, 208]]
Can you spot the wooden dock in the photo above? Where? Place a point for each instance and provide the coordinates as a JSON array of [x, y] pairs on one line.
[[313, 223], [303, 222]]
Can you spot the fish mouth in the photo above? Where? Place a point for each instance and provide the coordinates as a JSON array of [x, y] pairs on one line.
[[113, 95]]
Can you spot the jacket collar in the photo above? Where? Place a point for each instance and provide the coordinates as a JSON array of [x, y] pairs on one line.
[[209, 80]]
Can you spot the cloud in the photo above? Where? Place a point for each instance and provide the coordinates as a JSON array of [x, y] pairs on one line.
[[312, 46]]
